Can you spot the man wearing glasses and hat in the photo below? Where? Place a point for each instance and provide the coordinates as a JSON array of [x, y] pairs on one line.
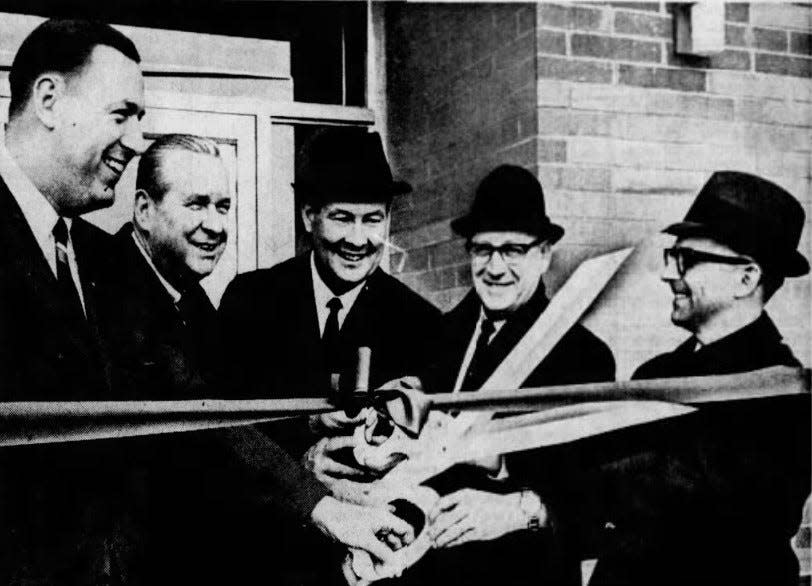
[[490, 526], [714, 497]]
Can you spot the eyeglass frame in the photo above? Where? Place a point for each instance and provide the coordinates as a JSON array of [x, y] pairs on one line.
[[516, 256], [679, 253]]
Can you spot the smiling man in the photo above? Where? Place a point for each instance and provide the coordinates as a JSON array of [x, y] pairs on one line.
[[77, 96], [716, 497], [199, 517], [492, 523], [313, 312], [295, 329], [178, 233]]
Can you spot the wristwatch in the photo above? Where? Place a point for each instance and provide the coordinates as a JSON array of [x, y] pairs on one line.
[[530, 504]]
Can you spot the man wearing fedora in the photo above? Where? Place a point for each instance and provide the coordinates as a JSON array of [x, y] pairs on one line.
[[291, 329], [492, 526], [714, 497]]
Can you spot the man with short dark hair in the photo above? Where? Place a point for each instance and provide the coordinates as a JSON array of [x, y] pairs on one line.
[[204, 510], [77, 97], [715, 496]]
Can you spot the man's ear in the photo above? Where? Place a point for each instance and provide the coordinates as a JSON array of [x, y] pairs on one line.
[[46, 92], [546, 250], [143, 209], [749, 279], [309, 213]]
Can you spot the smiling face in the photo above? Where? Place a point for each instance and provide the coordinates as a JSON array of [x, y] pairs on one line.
[[347, 241], [97, 130], [186, 231], [706, 290], [504, 285]]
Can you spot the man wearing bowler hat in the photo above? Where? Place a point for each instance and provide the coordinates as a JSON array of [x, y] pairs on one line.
[[295, 329], [714, 497], [490, 525]]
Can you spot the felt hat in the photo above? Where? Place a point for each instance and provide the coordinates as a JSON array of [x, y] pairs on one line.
[[509, 198], [346, 165], [752, 216]]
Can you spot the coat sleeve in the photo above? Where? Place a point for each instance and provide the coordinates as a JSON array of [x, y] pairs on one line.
[[278, 479]]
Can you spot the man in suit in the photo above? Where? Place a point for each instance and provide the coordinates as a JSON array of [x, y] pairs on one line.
[[203, 506], [295, 329], [714, 497], [76, 101], [491, 525]]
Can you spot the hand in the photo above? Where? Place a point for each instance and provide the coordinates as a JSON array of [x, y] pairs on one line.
[[474, 515], [336, 422], [364, 528], [349, 573], [320, 459]]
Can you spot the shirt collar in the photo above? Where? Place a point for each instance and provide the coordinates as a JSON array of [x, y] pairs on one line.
[[174, 293], [38, 211], [324, 294], [497, 323]]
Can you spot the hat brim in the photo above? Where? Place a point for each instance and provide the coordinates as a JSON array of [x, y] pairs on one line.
[[323, 191], [467, 226], [793, 265], [688, 229]]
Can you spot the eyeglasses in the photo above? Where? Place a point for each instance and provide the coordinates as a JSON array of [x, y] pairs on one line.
[[510, 253], [686, 258]]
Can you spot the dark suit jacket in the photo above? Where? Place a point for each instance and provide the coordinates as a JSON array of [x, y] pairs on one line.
[[46, 352], [712, 497], [518, 558], [198, 502], [579, 357], [273, 345], [54, 509]]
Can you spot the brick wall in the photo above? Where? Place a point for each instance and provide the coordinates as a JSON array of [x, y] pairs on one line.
[[621, 131], [462, 98]]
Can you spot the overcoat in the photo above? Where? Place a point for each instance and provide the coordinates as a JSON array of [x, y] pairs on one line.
[[713, 497], [197, 504], [273, 346], [520, 558], [54, 509]]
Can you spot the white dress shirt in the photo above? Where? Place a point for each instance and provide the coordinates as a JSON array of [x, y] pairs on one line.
[[40, 216], [323, 295]]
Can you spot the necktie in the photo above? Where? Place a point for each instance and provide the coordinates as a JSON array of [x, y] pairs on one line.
[[199, 333], [67, 287], [195, 306], [475, 375], [329, 339]]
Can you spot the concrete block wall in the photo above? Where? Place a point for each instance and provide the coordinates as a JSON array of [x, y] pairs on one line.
[[621, 132]]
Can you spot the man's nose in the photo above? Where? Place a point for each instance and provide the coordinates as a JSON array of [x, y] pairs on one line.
[[133, 138], [669, 271], [357, 235], [496, 264], [214, 221]]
